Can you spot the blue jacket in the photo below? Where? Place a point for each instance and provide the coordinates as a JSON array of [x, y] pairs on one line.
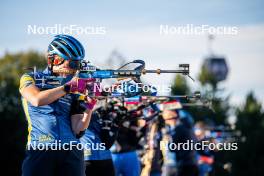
[[48, 123]]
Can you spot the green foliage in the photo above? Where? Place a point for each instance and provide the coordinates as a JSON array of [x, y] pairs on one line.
[[250, 116], [249, 158], [209, 87], [13, 123], [206, 78], [11, 69], [180, 86]]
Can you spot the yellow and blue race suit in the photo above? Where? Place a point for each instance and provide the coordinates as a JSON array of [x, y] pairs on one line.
[[50, 124]]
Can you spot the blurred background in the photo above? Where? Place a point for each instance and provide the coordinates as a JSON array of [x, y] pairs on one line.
[[226, 67]]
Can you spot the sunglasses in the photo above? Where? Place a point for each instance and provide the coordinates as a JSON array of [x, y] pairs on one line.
[[73, 63]]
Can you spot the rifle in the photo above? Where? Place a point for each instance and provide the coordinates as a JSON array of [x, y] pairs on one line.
[[90, 73]]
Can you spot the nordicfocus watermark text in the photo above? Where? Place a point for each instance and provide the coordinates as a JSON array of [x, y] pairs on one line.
[[199, 146], [190, 29], [58, 145], [132, 88], [65, 29]]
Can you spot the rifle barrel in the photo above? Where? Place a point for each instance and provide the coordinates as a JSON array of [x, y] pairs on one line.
[[158, 71]]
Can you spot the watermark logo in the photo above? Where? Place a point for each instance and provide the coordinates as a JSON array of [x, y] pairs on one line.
[[190, 29], [65, 29], [58, 145], [132, 88], [198, 146]]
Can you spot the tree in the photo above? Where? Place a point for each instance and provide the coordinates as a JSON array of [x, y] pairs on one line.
[[206, 78], [180, 86], [249, 158], [220, 104], [13, 122]]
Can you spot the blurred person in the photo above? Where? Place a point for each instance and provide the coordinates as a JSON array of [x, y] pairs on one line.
[[157, 159], [97, 156], [205, 157], [49, 112], [169, 167], [186, 159], [130, 130], [200, 130], [152, 158], [124, 153], [100, 135]]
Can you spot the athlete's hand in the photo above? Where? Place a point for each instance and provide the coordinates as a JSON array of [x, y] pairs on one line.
[[90, 103], [77, 85]]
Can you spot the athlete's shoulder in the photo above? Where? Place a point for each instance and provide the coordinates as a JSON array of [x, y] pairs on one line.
[[26, 80], [29, 78]]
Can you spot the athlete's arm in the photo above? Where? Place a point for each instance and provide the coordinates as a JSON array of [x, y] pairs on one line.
[[39, 98], [81, 115], [80, 122], [32, 93]]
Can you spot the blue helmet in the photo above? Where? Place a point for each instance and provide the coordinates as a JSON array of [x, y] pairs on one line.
[[66, 47]]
